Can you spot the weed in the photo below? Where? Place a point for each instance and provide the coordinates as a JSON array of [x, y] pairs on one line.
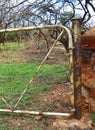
[[92, 116]]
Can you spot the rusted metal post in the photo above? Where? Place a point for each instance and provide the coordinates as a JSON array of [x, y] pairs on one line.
[[77, 68]]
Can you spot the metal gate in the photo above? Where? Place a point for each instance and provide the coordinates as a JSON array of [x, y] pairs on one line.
[[74, 67]]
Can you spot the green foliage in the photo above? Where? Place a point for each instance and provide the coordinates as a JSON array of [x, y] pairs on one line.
[[65, 18], [92, 116], [11, 36]]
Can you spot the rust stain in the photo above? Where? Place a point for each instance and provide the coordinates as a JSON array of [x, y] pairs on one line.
[[77, 69], [92, 92]]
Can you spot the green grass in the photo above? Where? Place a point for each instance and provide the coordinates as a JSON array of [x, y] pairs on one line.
[[15, 77], [12, 46]]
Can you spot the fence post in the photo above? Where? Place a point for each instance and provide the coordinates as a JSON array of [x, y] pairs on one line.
[[77, 68]]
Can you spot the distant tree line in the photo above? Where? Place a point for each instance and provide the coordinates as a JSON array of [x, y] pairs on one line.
[[15, 13]]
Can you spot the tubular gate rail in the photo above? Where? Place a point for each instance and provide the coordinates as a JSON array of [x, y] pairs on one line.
[[75, 81]]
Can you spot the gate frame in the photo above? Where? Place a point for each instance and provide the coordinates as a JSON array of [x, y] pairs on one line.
[[74, 67]]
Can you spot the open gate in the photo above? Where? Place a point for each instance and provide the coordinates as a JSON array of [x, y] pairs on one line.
[[74, 67]]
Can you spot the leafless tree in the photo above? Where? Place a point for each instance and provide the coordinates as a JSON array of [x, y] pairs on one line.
[[37, 12], [45, 12]]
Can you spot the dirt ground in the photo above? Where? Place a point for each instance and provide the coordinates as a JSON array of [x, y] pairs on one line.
[[58, 97]]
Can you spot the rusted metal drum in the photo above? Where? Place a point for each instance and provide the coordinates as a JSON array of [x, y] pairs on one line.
[[88, 42], [88, 39]]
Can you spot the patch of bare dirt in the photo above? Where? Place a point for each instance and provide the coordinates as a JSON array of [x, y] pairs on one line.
[[73, 124]]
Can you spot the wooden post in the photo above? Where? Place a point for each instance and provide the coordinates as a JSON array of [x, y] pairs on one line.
[[77, 68]]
